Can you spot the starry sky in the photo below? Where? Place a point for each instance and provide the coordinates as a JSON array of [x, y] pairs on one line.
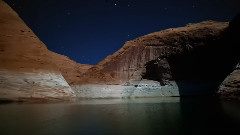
[[89, 30]]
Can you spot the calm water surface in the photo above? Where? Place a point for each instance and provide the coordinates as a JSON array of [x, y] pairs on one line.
[[123, 116]]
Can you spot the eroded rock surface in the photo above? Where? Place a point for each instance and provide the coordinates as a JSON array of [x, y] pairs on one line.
[[190, 60], [230, 88], [132, 61], [23, 86], [134, 89], [188, 56], [28, 70]]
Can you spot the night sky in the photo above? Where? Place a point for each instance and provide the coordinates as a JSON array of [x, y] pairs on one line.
[[89, 30]]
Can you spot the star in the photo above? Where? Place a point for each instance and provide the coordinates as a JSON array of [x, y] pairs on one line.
[[68, 13], [128, 5], [115, 4]]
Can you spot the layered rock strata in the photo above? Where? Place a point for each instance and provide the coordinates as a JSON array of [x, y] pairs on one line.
[[127, 90], [23, 86], [182, 60]]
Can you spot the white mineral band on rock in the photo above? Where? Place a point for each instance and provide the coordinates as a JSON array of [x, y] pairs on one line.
[[15, 85], [123, 91]]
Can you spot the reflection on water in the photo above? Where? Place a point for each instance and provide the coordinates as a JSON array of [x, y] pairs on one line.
[[122, 116]]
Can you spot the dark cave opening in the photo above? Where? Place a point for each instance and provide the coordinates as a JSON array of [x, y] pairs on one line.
[[153, 72]]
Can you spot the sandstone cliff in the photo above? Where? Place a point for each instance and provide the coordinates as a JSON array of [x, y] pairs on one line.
[[197, 57], [27, 68], [130, 61], [190, 60], [70, 70]]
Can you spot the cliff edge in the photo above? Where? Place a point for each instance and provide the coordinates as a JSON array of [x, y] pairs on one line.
[[28, 70]]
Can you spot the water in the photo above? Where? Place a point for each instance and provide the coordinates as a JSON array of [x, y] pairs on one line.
[[123, 116]]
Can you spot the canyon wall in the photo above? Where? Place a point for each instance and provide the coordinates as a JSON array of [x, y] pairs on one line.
[[26, 86], [134, 59], [196, 57], [28, 70], [190, 60]]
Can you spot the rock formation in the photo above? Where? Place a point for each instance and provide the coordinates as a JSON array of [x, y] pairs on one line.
[[230, 88], [134, 59], [191, 60], [69, 69], [28, 70]]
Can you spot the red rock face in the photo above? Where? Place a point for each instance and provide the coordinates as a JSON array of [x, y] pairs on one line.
[[22, 51], [138, 57], [197, 52], [71, 70], [28, 70]]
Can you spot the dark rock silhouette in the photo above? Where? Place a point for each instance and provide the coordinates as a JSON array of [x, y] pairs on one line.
[[230, 88]]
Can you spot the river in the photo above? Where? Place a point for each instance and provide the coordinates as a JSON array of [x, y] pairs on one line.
[[205, 115]]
